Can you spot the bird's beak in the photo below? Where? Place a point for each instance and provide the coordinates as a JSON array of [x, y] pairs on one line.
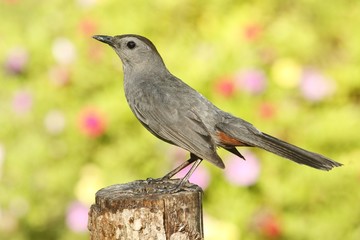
[[104, 39]]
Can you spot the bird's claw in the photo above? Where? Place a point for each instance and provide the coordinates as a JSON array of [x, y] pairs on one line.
[[164, 188], [153, 180]]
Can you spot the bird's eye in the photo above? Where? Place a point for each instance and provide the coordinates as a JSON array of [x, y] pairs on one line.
[[131, 44]]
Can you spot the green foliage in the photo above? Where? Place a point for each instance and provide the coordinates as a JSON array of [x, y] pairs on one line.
[[289, 67]]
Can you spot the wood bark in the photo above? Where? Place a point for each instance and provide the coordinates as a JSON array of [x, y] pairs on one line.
[[146, 209]]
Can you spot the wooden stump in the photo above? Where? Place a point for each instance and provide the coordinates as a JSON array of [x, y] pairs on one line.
[[146, 210]]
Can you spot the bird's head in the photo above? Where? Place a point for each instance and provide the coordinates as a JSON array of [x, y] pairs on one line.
[[133, 50]]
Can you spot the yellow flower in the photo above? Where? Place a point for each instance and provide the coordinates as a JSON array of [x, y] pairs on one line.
[[286, 73], [89, 183]]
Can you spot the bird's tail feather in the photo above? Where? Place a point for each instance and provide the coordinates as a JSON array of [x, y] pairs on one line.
[[294, 153], [250, 136]]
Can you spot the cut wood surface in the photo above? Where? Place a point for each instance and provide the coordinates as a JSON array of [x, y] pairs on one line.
[[146, 209]]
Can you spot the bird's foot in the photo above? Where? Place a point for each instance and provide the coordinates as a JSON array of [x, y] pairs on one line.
[[166, 185], [178, 187], [154, 180]]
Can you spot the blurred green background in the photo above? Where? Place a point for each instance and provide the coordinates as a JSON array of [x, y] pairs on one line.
[[290, 67]]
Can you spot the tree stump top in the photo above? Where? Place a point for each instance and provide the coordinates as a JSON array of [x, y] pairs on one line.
[[147, 209], [148, 187]]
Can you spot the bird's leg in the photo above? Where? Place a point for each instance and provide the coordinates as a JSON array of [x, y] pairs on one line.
[[172, 173], [188, 174], [193, 158], [183, 181]]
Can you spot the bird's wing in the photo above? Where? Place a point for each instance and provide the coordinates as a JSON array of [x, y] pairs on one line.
[[173, 120]]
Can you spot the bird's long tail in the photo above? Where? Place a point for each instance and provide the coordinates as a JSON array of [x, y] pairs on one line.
[[249, 135], [295, 153]]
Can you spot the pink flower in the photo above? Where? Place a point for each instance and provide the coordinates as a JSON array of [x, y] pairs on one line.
[[225, 86], [271, 227], [22, 102], [252, 31], [315, 86], [88, 27], [240, 172], [92, 122], [252, 81], [267, 110], [16, 61], [267, 224], [77, 217]]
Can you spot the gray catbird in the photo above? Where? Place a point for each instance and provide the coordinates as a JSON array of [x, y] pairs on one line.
[[179, 115]]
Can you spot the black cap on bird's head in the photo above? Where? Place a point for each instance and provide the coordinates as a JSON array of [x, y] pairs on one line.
[[132, 49]]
